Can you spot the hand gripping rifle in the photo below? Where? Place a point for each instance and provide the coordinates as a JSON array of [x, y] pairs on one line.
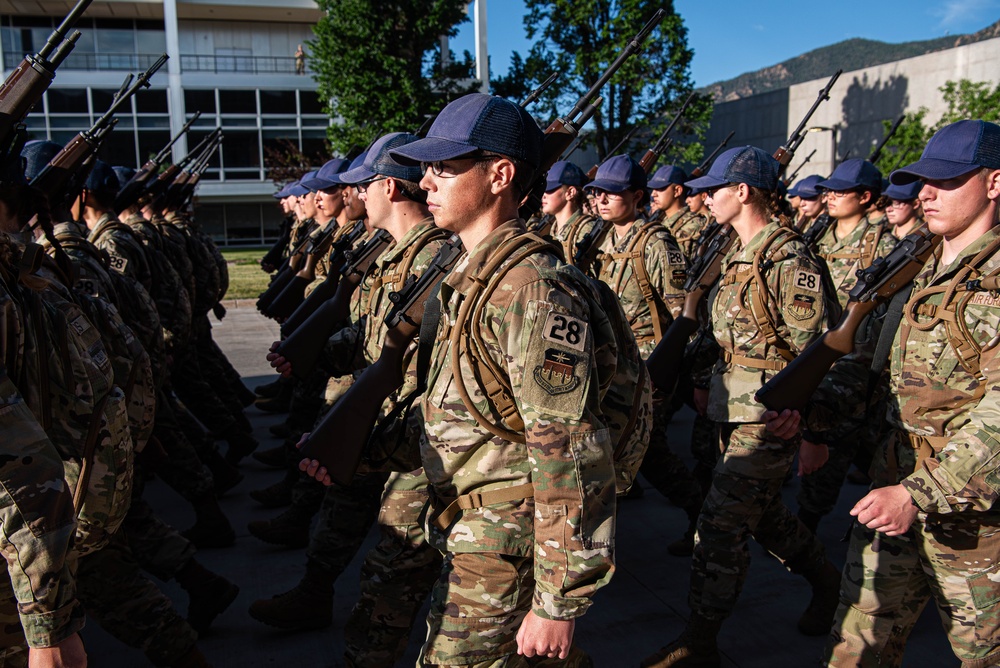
[[62, 179], [133, 189], [340, 439], [648, 161], [303, 347], [794, 385], [877, 153], [24, 86], [664, 363]]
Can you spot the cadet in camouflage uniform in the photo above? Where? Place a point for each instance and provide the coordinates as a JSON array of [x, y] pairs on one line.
[[811, 202], [669, 206], [399, 572], [851, 243], [641, 263], [563, 200], [903, 208], [500, 591], [929, 526], [762, 317]]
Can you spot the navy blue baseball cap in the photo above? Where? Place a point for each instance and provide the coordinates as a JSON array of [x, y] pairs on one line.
[[564, 173], [745, 164], [298, 189], [377, 161], [102, 179], [904, 193], [37, 154], [477, 122], [667, 175], [357, 162], [123, 174], [806, 187], [954, 150], [283, 192], [851, 174], [324, 176], [619, 174]]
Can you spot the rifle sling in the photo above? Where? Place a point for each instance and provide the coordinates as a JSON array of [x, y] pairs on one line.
[[886, 337]]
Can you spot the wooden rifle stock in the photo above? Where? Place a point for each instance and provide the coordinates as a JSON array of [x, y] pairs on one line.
[[793, 386], [294, 293]]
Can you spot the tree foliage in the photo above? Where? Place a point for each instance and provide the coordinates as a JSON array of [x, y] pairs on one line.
[[580, 38], [965, 99], [377, 64]]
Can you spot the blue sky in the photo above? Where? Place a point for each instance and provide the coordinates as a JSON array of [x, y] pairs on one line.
[[728, 40]]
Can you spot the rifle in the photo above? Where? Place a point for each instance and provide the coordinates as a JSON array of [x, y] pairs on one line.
[[784, 154], [131, 191], [25, 85], [816, 231], [340, 439], [707, 162], [157, 190], [281, 278], [873, 158], [186, 193], [340, 256], [793, 386], [304, 346], [295, 292], [63, 177], [592, 172], [273, 256], [535, 94], [790, 179], [664, 363], [653, 154]]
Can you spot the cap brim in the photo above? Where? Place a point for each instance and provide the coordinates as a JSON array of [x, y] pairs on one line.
[[609, 186], [298, 191], [316, 184], [705, 182], [930, 168], [356, 175], [837, 184], [430, 149]]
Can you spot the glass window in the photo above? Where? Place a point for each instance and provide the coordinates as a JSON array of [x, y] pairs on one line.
[[243, 223], [277, 102], [152, 122], [151, 37], [77, 123], [67, 100], [152, 142], [212, 218], [238, 101], [279, 122], [234, 122], [115, 36], [314, 144], [309, 102], [272, 218], [200, 100], [103, 99], [151, 101]]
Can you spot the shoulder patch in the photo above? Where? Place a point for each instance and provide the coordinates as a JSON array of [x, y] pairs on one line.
[[803, 307], [675, 257], [807, 280], [558, 373], [565, 330], [117, 262]]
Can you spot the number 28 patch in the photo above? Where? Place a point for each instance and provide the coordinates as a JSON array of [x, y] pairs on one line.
[[807, 280], [565, 330]]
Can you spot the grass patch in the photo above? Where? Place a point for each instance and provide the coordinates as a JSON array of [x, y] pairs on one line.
[[246, 280]]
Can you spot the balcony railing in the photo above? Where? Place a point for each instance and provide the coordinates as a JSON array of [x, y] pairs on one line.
[[128, 62], [134, 62]]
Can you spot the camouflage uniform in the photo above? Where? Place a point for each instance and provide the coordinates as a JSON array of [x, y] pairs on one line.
[[745, 492], [852, 435], [943, 447], [685, 228], [575, 229], [666, 270], [548, 547]]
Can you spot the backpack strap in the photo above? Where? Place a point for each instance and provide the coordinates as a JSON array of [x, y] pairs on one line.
[[89, 446], [478, 500], [769, 254], [635, 252]]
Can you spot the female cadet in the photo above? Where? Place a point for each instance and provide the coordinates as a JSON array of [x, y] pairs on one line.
[[770, 305], [903, 210]]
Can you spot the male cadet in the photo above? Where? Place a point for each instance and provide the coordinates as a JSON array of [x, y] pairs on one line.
[[564, 199], [667, 203], [929, 526], [642, 264], [525, 545]]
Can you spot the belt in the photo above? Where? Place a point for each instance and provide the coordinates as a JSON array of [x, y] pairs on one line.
[[477, 500]]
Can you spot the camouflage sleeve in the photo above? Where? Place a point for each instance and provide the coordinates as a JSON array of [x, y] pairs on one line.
[[965, 475], [667, 270], [549, 347], [36, 509], [797, 285], [344, 351]]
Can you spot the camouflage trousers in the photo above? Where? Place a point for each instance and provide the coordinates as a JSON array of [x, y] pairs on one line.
[[888, 580], [705, 450], [396, 577], [820, 489], [215, 366], [129, 606], [477, 606], [345, 517], [663, 468], [183, 469], [743, 501], [156, 546], [198, 395]]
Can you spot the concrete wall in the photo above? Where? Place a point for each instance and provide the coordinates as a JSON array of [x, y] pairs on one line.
[[859, 102]]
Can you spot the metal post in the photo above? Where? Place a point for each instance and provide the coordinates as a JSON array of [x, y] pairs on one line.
[[482, 58]]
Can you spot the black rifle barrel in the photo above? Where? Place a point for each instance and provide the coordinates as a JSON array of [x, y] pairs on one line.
[[888, 135], [162, 155], [785, 153], [537, 93]]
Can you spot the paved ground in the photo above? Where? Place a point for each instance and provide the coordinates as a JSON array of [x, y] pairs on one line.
[[643, 608]]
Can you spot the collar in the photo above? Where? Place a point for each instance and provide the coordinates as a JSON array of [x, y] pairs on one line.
[[460, 278]]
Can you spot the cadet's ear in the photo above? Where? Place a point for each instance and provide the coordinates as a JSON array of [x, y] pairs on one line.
[[993, 184], [501, 175]]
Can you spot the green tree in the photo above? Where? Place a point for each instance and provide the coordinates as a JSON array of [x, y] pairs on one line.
[[580, 38], [377, 64], [965, 99]]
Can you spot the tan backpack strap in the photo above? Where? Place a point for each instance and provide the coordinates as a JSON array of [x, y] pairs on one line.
[[760, 297], [89, 446], [636, 253], [481, 500]]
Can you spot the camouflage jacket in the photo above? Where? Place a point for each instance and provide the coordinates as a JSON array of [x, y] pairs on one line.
[[204, 268], [845, 256], [666, 268], [323, 265], [794, 303], [568, 235], [536, 328], [174, 246], [685, 227], [934, 395], [124, 248]]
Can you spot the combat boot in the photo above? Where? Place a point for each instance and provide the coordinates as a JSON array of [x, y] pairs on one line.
[[697, 647], [209, 594], [290, 528], [818, 617], [269, 390], [281, 430], [279, 403], [277, 495], [211, 527], [225, 476], [307, 606]]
